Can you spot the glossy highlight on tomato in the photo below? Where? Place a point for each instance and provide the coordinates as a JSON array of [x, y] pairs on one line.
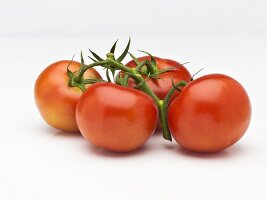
[[162, 85], [211, 113], [116, 118], [56, 101]]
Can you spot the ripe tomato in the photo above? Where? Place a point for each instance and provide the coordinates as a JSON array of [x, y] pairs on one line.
[[210, 114], [55, 100], [162, 85], [116, 118]]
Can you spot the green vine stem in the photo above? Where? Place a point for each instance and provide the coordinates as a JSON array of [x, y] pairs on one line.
[[85, 67], [172, 90], [165, 103], [139, 66], [134, 73]]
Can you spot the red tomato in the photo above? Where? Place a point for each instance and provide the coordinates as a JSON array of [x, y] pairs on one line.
[[212, 113], [55, 100], [161, 86], [116, 118]]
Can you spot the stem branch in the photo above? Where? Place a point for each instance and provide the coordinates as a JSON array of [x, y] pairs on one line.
[[83, 70]]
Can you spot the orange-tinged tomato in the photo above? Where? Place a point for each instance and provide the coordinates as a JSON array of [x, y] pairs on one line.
[[210, 114], [55, 100], [116, 118]]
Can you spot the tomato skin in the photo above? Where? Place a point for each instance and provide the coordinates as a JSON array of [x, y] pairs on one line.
[[211, 113], [116, 118], [161, 86], [55, 100]]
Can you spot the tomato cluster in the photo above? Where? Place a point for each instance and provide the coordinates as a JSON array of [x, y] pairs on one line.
[[208, 114]]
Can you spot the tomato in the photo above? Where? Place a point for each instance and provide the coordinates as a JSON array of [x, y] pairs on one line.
[[116, 118], [162, 85], [55, 100], [210, 114]]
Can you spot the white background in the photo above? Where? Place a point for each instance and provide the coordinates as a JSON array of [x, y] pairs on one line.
[[31, 18], [39, 162]]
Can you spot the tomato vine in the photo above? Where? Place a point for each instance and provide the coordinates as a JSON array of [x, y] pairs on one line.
[[147, 67]]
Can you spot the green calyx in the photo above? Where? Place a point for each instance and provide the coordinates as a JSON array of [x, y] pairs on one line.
[[75, 78], [82, 84]]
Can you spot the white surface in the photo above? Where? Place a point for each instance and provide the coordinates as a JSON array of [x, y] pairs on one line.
[[33, 18], [39, 162]]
